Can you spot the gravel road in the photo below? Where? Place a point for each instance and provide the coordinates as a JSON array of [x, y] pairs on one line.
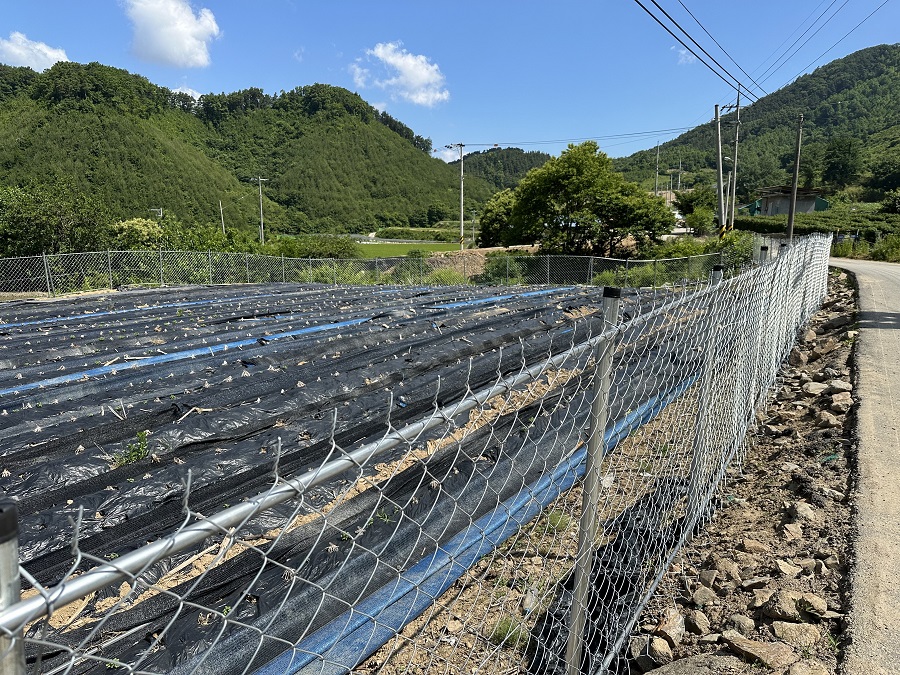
[[875, 610]]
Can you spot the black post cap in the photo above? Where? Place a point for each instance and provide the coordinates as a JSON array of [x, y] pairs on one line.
[[612, 292]]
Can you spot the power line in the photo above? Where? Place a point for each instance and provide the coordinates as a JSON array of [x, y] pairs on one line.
[[699, 46], [725, 51], [786, 57], [696, 56], [631, 135], [842, 39]]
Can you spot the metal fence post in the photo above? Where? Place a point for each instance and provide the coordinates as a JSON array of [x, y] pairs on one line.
[[12, 650], [507, 271], [654, 273], [701, 418], [590, 496], [590, 278], [47, 276], [547, 265], [763, 254], [283, 273], [109, 268], [209, 259], [161, 280], [377, 272], [247, 266]]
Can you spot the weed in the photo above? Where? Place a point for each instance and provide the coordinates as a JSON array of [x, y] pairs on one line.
[[383, 516], [509, 631], [226, 610], [133, 452], [558, 521]]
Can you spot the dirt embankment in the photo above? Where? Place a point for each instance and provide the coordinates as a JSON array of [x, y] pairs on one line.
[[767, 582]]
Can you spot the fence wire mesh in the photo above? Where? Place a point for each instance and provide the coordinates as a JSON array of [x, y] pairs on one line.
[[64, 273], [410, 497]]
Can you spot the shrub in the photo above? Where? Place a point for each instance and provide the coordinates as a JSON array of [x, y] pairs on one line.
[[446, 277], [500, 268], [888, 249]]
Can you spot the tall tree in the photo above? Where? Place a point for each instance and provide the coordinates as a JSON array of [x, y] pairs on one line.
[[577, 204]]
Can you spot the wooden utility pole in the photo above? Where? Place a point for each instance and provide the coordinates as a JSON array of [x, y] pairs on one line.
[[793, 206]]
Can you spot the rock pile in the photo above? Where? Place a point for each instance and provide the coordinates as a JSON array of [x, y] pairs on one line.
[[765, 584]]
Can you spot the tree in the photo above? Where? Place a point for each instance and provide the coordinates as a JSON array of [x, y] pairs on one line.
[[495, 225], [577, 204], [699, 198], [52, 218], [843, 160]]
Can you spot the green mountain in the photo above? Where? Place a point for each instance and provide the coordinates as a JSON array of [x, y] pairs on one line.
[[332, 162], [851, 132], [502, 167]]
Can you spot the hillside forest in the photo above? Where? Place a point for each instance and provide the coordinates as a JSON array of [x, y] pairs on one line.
[[93, 157]]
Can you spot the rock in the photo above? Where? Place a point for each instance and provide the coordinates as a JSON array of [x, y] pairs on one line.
[[821, 569], [774, 655], [760, 597], [850, 335], [808, 667], [800, 635], [702, 664], [797, 357], [809, 335], [837, 322], [753, 546], [787, 569], [660, 651], [742, 624], [708, 577], [709, 639], [792, 531], [825, 420], [823, 347], [808, 565], [801, 512], [728, 569], [794, 606], [782, 606], [671, 627], [841, 407], [755, 583], [839, 386], [697, 622], [815, 388], [704, 596], [639, 652]]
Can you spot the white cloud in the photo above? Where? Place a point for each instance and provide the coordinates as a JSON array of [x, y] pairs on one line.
[[360, 75], [685, 58], [298, 55], [193, 93], [20, 51], [412, 77], [447, 154], [168, 32]]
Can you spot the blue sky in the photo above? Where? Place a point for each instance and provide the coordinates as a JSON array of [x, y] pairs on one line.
[[531, 74]]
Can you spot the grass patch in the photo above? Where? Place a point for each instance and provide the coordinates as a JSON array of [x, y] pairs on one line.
[[382, 250], [509, 632], [133, 452]]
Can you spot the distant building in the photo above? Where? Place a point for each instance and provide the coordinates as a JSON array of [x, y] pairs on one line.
[[776, 200]]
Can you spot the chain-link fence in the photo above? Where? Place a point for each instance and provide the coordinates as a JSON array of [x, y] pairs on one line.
[[468, 497], [73, 272]]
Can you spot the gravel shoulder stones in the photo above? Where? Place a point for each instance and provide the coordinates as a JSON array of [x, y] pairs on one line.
[[764, 588]]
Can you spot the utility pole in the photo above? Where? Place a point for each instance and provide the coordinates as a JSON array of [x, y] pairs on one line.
[[720, 196], [679, 174], [656, 177], [462, 231], [222, 216], [737, 133], [262, 232], [793, 206]]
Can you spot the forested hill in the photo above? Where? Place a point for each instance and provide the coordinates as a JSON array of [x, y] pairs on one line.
[[333, 163], [502, 167], [851, 132]]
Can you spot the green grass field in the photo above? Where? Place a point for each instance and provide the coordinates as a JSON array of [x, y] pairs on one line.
[[397, 250]]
